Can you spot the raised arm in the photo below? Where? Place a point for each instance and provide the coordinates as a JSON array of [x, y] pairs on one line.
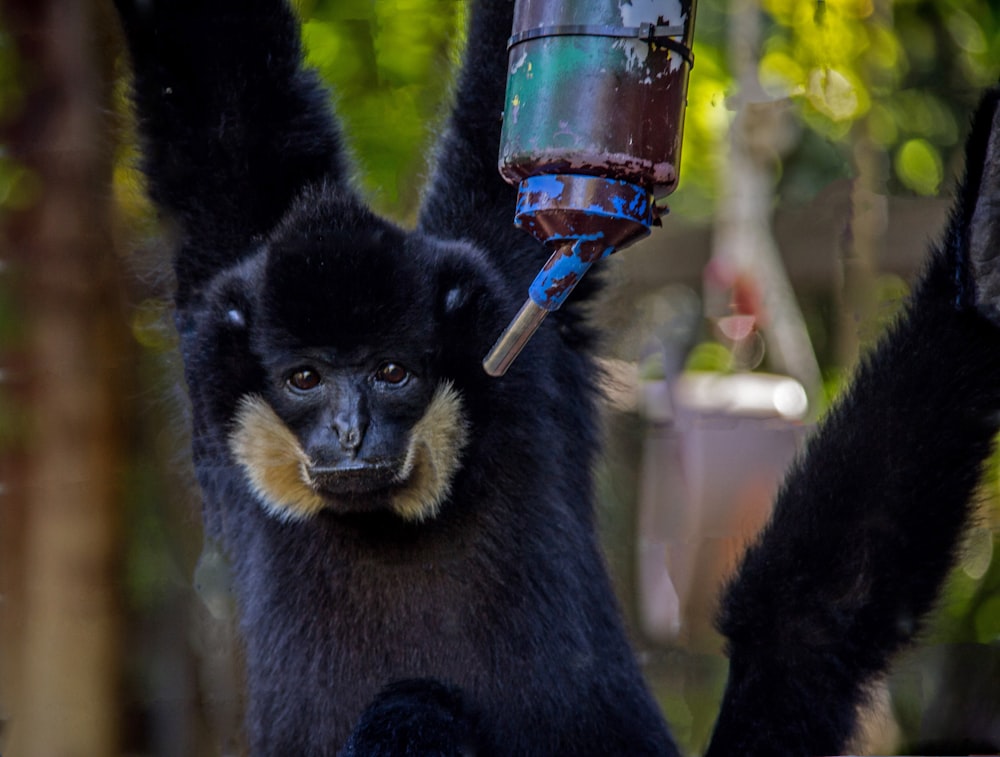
[[869, 521], [232, 126], [466, 197]]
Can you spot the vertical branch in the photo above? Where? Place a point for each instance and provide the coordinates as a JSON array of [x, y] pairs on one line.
[[65, 697], [744, 247], [865, 232]]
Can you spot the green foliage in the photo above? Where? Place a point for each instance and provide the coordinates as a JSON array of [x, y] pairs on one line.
[[706, 123], [712, 357], [918, 165], [17, 186], [390, 64], [902, 73]]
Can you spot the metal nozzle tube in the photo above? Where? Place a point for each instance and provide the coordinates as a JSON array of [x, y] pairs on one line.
[[514, 337]]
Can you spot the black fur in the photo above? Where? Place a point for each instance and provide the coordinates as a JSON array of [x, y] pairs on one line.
[[416, 719], [869, 521], [503, 596]]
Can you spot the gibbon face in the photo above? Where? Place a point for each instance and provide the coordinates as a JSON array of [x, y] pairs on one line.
[[366, 460], [353, 414]]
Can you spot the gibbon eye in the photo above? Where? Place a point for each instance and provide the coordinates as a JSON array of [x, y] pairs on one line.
[[304, 379], [391, 373]]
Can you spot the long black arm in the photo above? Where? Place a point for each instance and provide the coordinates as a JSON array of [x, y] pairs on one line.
[[232, 125], [869, 521], [466, 197]]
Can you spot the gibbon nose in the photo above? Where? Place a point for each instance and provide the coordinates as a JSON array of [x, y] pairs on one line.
[[350, 439], [350, 430]]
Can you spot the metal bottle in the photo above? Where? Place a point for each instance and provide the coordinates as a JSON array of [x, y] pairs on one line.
[[596, 91]]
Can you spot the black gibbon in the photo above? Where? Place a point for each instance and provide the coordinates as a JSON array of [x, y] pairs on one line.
[[396, 518]]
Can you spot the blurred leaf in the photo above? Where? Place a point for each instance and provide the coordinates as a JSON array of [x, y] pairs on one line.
[[838, 95], [388, 63], [987, 621], [706, 124], [909, 68], [710, 356], [918, 165], [19, 187]]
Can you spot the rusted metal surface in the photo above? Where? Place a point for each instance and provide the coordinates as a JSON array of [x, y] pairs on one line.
[[583, 101], [585, 219], [568, 206], [596, 91]]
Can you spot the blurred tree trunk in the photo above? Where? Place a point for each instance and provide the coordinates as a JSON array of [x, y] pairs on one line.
[[746, 273], [865, 232], [62, 670]]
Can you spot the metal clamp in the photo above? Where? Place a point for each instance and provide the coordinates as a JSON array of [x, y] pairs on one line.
[[662, 35]]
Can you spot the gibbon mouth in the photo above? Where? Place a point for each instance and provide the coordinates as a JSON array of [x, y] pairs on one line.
[[357, 479]]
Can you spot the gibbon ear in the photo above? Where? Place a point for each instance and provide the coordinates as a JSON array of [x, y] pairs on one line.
[[234, 296], [982, 205], [224, 345], [467, 302]]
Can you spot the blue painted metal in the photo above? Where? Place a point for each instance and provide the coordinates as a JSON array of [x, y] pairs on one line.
[[561, 274], [585, 218], [598, 87], [596, 92]]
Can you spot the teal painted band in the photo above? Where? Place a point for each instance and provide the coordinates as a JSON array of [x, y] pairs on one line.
[[659, 34]]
